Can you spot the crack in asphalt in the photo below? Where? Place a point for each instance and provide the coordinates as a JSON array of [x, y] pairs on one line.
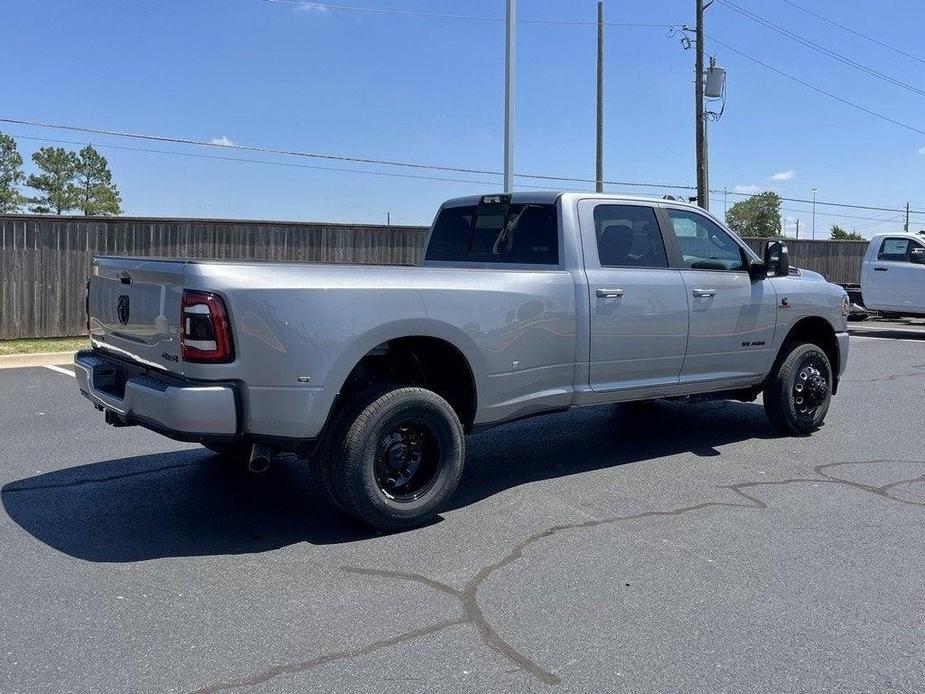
[[467, 595]]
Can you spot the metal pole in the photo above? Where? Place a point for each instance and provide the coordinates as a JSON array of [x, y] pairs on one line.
[[814, 214], [509, 60], [600, 97], [798, 229], [703, 198], [725, 204], [906, 225]]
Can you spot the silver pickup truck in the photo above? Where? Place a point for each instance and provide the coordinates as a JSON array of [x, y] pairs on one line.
[[524, 304]]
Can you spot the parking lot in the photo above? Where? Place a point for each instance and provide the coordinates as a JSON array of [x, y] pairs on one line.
[[666, 547]]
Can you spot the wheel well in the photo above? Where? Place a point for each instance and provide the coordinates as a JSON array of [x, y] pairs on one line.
[[427, 362], [817, 331]]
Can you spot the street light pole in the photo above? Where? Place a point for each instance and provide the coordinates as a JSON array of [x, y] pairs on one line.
[[600, 97], [509, 60], [814, 213]]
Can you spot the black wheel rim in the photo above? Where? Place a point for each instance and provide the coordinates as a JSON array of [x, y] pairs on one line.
[[408, 460], [810, 387]]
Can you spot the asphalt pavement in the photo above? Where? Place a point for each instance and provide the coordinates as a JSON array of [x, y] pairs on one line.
[[671, 547]]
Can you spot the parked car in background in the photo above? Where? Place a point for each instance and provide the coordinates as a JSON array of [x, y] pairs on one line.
[[892, 277], [524, 304]]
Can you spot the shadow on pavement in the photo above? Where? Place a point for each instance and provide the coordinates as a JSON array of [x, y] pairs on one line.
[[193, 503]]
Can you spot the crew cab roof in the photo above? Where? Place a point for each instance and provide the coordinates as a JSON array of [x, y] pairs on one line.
[[551, 197]]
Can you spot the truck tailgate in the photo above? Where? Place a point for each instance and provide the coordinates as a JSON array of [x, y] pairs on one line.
[[134, 306]]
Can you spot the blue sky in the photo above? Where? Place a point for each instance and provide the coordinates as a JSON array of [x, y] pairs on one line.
[[430, 90]]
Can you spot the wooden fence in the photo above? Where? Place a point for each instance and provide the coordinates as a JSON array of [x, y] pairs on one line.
[[837, 261], [45, 260]]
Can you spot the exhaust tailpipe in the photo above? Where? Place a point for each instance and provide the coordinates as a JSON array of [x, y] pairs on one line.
[[259, 461]]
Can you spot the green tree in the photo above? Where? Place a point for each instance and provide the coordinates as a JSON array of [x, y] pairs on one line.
[[96, 193], [842, 235], [756, 217], [11, 175], [55, 182]]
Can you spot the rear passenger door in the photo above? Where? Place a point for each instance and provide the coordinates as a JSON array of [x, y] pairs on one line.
[[638, 305], [732, 317]]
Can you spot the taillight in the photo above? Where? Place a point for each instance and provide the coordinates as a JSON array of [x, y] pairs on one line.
[[205, 333]]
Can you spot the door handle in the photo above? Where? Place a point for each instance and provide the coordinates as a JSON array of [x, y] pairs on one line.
[[881, 269], [609, 293], [704, 293]]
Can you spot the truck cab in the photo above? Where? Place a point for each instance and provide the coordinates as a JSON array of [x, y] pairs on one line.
[[893, 274]]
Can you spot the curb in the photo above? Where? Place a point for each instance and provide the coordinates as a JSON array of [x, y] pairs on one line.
[[18, 361]]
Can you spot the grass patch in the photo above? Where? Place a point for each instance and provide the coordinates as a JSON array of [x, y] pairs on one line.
[[48, 344]]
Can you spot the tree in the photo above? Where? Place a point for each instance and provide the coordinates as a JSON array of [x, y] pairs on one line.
[[757, 217], [96, 193], [841, 235], [56, 180], [11, 175]]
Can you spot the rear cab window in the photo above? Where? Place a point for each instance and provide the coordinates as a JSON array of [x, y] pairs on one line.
[[521, 234]]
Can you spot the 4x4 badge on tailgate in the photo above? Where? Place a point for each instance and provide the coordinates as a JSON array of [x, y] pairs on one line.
[[122, 309]]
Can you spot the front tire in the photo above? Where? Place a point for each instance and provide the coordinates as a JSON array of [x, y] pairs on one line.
[[400, 459], [798, 394]]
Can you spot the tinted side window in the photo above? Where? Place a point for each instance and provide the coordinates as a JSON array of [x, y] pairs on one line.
[[704, 244], [896, 250], [628, 236], [529, 235]]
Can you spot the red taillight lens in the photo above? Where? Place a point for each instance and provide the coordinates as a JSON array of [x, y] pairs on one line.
[[205, 333]]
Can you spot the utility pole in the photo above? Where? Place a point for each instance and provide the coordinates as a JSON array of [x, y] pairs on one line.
[[388, 218], [509, 61], [725, 204], [798, 229], [703, 177], [600, 97], [814, 213], [906, 225]]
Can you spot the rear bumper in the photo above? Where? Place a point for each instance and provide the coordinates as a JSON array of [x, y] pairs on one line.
[[178, 408]]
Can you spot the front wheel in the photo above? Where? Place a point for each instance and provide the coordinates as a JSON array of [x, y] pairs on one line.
[[798, 394], [400, 459]]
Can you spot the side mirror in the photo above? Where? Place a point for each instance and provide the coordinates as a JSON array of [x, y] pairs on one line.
[[777, 258], [757, 270], [917, 256]]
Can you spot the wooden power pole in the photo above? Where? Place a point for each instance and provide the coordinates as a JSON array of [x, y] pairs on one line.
[[703, 175]]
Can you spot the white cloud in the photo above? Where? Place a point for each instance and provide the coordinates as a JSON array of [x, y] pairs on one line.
[[922, 151], [224, 141], [748, 190], [787, 175], [312, 7]]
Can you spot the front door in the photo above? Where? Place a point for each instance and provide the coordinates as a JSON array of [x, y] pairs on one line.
[[895, 282], [638, 304], [732, 318]]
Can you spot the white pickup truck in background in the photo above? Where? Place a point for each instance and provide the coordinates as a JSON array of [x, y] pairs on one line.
[[892, 278]]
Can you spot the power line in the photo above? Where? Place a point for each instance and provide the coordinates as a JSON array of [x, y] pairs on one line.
[[271, 150], [315, 155], [819, 89], [821, 49], [855, 32], [244, 160], [410, 13]]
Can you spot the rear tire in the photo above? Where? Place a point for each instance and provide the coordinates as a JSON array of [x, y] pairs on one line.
[[399, 459], [799, 392]]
